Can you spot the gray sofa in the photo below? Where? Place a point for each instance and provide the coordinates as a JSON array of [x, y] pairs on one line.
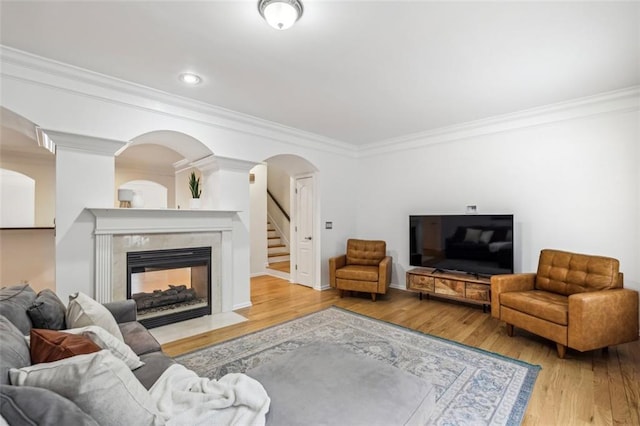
[[22, 309]]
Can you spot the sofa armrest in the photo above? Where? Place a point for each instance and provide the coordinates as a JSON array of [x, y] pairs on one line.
[[604, 318], [506, 283], [123, 310], [335, 263], [384, 274]]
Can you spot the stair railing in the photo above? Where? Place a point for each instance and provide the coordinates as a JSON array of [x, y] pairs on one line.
[[278, 205]]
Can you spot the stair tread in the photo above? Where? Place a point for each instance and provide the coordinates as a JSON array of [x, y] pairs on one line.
[[286, 253]]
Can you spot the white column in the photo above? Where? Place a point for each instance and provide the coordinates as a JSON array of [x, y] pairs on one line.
[[85, 177], [226, 185], [104, 262]]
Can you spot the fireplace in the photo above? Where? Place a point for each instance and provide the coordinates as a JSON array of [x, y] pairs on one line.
[[169, 285]]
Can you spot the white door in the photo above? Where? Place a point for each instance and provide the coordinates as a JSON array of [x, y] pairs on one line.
[[304, 231]]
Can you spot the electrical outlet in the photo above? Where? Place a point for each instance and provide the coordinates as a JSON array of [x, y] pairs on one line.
[[328, 225]]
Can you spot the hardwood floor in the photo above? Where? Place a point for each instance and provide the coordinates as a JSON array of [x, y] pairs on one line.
[[280, 266], [585, 388]]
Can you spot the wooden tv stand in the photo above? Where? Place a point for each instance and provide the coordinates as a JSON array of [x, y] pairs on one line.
[[448, 285]]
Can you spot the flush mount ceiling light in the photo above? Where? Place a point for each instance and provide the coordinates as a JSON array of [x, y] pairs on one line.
[[280, 14], [190, 78]]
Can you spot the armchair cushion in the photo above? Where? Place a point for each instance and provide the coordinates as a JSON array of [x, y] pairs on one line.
[[568, 273], [541, 304], [365, 252], [358, 272]]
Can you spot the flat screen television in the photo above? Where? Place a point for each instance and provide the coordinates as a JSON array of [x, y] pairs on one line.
[[481, 245]]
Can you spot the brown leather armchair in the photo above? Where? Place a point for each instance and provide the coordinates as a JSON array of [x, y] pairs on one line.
[[575, 300], [365, 267]]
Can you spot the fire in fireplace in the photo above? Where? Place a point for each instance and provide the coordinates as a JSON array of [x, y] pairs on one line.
[[170, 285]]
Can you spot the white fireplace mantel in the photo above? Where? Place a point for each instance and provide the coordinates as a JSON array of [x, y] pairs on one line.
[[151, 221], [112, 222]]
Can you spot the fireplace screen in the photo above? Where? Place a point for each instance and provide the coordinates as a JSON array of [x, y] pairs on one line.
[[170, 285]]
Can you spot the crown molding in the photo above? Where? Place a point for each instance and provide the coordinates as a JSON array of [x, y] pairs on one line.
[[113, 90], [84, 143], [145, 98], [622, 100], [216, 163]]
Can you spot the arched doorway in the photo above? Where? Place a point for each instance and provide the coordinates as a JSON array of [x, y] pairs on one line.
[[292, 209]]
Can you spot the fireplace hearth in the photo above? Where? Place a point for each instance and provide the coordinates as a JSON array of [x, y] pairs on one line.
[[170, 285]]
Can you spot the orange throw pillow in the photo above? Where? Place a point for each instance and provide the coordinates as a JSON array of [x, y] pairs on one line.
[[53, 345]]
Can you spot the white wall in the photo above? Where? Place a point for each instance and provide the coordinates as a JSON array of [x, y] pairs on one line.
[[42, 170], [17, 200], [168, 182], [258, 230], [572, 185], [151, 195], [28, 255]]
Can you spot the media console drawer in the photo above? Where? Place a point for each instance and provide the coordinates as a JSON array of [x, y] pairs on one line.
[[478, 292], [421, 282], [465, 288], [449, 287]]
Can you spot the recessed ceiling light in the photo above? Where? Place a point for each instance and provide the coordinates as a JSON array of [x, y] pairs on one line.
[[190, 78]]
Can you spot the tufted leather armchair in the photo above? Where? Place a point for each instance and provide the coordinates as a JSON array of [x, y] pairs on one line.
[[575, 300], [365, 267]]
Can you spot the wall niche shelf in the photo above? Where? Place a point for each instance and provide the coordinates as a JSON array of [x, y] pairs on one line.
[[27, 228]]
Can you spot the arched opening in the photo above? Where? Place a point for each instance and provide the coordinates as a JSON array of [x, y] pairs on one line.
[[158, 163], [27, 204], [17, 200], [284, 210]]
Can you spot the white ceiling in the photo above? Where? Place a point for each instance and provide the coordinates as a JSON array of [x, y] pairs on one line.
[[355, 71]]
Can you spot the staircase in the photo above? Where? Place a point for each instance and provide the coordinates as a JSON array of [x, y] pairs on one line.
[[277, 252]]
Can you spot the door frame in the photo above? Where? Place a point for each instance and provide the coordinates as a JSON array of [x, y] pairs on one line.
[[315, 245]]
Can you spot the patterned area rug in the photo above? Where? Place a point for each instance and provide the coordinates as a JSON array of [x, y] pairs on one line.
[[472, 386]]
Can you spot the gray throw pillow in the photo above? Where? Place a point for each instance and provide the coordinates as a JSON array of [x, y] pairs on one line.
[[14, 352], [47, 311], [26, 405], [14, 302]]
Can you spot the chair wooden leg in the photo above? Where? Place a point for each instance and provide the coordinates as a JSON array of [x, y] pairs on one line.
[[509, 330], [373, 297], [562, 350]]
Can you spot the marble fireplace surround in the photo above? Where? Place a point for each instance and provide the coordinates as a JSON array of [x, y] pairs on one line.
[[118, 231]]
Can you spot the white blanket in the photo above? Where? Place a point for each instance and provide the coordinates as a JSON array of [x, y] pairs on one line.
[[183, 398]]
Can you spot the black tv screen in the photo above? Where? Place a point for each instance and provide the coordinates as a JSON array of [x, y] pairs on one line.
[[476, 244]]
